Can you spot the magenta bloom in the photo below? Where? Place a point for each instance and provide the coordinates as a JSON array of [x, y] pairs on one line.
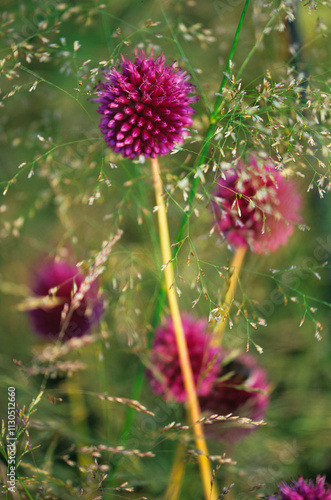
[[166, 379], [255, 206], [64, 312], [241, 389], [303, 490], [145, 107]]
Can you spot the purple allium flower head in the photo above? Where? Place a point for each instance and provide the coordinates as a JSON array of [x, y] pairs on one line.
[[241, 389], [145, 106], [75, 315], [167, 379], [255, 206], [303, 490]]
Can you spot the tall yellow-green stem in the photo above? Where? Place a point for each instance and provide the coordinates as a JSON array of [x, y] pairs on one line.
[[79, 417], [184, 360], [235, 266], [177, 472]]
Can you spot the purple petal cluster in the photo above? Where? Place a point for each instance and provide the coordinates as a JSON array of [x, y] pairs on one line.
[[145, 106], [241, 389], [303, 490], [255, 206], [224, 384], [61, 283], [166, 378]]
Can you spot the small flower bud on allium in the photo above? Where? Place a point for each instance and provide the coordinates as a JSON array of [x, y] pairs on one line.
[[66, 302], [166, 378], [241, 389], [145, 106], [255, 206], [303, 490]]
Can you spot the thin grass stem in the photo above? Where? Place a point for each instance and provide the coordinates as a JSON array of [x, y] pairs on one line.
[[216, 110], [79, 418], [256, 45], [210, 131], [24, 487]]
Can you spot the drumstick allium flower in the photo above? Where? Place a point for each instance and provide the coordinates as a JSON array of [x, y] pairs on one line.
[[145, 106], [303, 490], [68, 306], [255, 206], [238, 386], [167, 379], [241, 389]]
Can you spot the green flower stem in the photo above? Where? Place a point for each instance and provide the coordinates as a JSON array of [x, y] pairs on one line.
[[24, 487], [215, 113], [213, 120]]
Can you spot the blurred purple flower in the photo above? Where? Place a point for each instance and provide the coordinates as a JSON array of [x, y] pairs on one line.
[[166, 379], [224, 384], [145, 106], [64, 311], [255, 206], [303, 490], [241, 389]]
